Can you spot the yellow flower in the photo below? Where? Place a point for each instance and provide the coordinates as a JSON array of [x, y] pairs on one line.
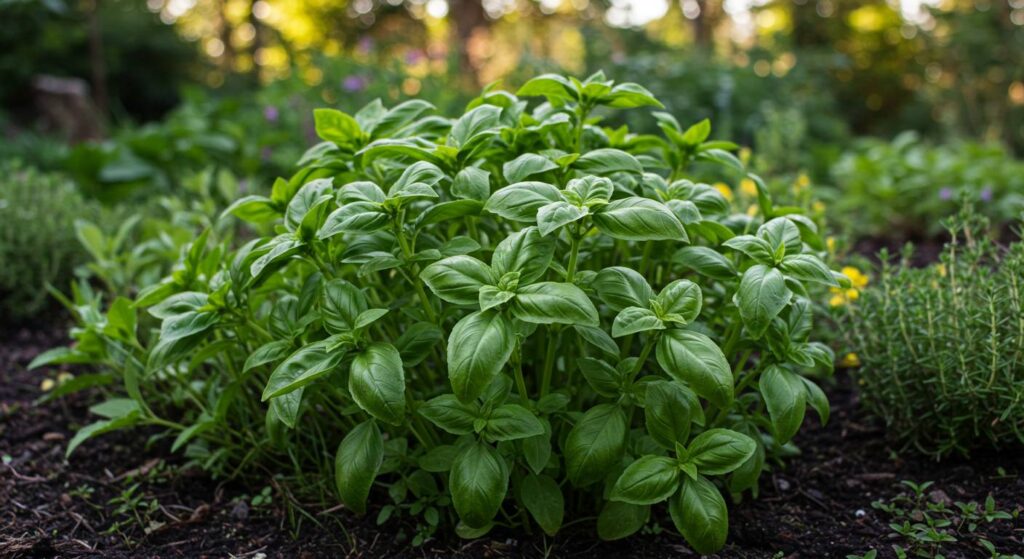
[[850, 360], [830, 243], [47, 385], [837, 300], [818, 206], [752, 210], [859, 280], [725, 190], [942, 270], [745, 155], [801, 184], [749, 187], [64, 377], [852, 294]]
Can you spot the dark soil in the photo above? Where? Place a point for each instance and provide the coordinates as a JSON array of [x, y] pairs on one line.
[[819, 505]]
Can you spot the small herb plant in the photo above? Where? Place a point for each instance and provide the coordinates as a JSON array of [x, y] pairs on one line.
[[514, 317], [942, 347], [927, 526]]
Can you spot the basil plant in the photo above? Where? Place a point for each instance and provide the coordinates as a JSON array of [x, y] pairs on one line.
[[513, 317]]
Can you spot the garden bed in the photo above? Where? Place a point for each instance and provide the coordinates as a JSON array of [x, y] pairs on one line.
[[819, 505]]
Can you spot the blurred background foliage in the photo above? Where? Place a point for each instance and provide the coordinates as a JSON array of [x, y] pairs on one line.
[[880, 116]]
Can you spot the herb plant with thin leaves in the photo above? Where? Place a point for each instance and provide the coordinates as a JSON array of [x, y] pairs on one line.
[[513, 317]]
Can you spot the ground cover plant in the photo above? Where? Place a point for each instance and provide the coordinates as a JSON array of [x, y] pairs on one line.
[[513, 317], [941, 347]]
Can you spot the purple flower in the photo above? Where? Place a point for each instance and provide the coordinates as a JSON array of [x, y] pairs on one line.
[[266, 153], [986, 194], [271, 113], [946, 193], [354, 83], [413, 57], [365, 45]]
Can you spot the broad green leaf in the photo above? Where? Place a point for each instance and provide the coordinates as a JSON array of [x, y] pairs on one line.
[[631, 320], [781, 232], [458, 279], [648, 480], [598, 338], [595, 444], [720, 451], [682, 298], [301, 368], [607, 161], [620, 520], [754, 247], [254, 209], [554, 303], [527, 252], [356, 464], [416, 343], [555, 88], [542, 497], [525, 166], [669, 409], [354, 217], [630, 95], [807, 267], [377, 382], [448, 413], [552, 216], [620, 287], [521, 201], [700, 515], [817, 399], [491, 297], [602, 377], [705, 261], [592, 190], [785, 396], [478, 482], [446, 211], [761, 297], [696, 360], [417, 181], [639, 219], [510, 422], [98, 428], [341, 303], [478, 348], [335, 126], [267, 353], [472, 183]]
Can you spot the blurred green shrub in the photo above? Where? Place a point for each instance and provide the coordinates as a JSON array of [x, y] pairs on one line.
[[942, 347], [37, 237], [906, 187]]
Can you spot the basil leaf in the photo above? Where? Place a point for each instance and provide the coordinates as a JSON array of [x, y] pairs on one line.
[[682, 298], [807, 267], [552, 216], [620, 287], [354, 217], [542, 497], [761, 297], [705, 261], [669, 409], [595, 444], [301, 368], [648, 480], [527, 252], [479, 346], [472, 183], [700, 515], [696, 360], [458, 279], [357, 463], [341, 303], [521, 201], [607, 161], [620, 520], [526, 165], [785, 397], [601, 376], [510, 422], [377, 382], [631, 320], [720, 451], [639, 219], [754, 247], [554, 303], [448, 413], [478, 482]]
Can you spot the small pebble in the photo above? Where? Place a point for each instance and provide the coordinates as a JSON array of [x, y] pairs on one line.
[[783, 484], [860, 513]]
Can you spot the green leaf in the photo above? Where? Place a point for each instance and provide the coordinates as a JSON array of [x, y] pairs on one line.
[[491, 297], [781, 232], [807, 267], [448, 413], [416, 343], [458, 279], [521, 201], [817, 399], [554, 303], [377, 382], [785, 397], [527, 252], [472, 183], [682, 298], [551, 217], [537, 451], [601, 376], [341, 303], [597, 338], [368, 317], [301, 368], [630, 95], [511, 422], [620, 520], [607, 161], [696, 360], [478, 482], [700, 515], [285, 408], [556, 88], [254, 209], [754, 247], [267, 353], [761, 297], [186, 324], [620, 287], [592, 190], [631, 320], [446, 211], [310, 198], [542, 497], [335, 126], [417, 181], [669, 409], [648, 480], [479, 346], [705, 261], [720, 451], [526, 165], [697, 133], [357, 463], [639, 219], [98, 428], [354, 217], [475, 122], [595, 445]]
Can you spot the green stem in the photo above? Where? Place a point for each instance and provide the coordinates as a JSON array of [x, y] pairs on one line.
[[549, 361], [574, 253]]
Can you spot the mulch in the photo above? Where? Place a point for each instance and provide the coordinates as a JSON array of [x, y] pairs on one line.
[[121, 497]]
